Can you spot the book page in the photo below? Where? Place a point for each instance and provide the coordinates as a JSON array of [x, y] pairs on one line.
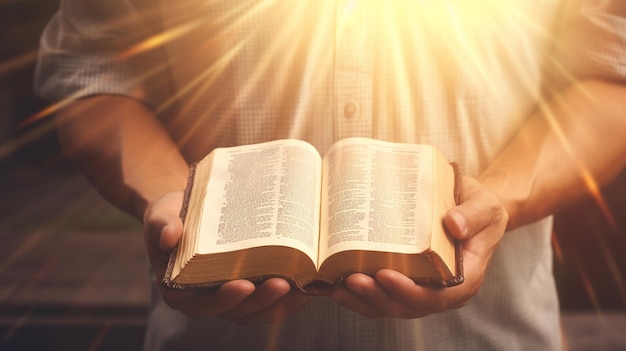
[[263, 194], [378, 196], [443, 200]]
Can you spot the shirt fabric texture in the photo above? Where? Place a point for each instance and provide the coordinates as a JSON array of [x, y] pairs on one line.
[[463, 75]]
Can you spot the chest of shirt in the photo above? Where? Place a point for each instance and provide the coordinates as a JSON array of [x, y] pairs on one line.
[[460, 74]]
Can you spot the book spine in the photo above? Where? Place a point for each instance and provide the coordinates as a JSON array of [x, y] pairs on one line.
[[187, 195], [167, 281], [458, 279]]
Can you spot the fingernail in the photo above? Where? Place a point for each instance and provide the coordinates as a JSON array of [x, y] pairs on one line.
[[460, 221]]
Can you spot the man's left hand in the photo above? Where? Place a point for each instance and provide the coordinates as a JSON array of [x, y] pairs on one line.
[[479, 221]]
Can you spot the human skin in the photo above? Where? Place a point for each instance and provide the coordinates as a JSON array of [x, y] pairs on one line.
[[539, 173], [131, 159]]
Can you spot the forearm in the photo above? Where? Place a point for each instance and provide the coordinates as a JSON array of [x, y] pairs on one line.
[[122, 149], [570, 146]]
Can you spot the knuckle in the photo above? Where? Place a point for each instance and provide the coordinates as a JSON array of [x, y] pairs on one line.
[[442, 305]]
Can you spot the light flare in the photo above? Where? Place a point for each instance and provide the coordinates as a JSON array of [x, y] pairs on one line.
[[562, 71], [50, 110], [134, 83], [454, 26], [28, 137], [469, 48], [158, 40], [204, 80], [19, 62], [100, 337], [594, 190], [614, 269], [41, 231], [558, 250], [199, 85], [591, 292], [588, 179], [270, 54], [34, 239], [272, 337], [17, 325]]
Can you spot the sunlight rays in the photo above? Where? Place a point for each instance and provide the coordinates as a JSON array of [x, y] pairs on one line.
[[204, 80], [616, 274], [589, 180], [18, 62], [158, 40], [456, 29], [41, 230], [29, 137], [457, 23], [459, 26], [467, 46]]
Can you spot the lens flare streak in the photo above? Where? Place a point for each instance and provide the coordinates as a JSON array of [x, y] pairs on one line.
[[159, 39], [18, 62], [589, 180]]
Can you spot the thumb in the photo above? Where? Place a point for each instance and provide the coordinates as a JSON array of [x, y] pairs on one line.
[[456, 223], [171, 234], [478, 210], [162, 221]]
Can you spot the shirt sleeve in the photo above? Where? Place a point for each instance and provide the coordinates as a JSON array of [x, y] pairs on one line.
[[82, 51], [591, 41]]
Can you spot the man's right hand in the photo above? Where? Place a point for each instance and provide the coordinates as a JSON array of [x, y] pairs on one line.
[[127, 154], [239, 301]]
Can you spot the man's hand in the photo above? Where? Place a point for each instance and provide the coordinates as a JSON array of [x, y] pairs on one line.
[[479, 221], [239, 301]]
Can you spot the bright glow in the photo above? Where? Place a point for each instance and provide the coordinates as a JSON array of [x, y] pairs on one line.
[[454, 30]]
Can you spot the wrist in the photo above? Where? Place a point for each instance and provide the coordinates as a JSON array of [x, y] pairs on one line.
[[512, 201], [158, 190]]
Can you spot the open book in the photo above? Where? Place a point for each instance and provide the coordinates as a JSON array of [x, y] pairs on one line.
[[278, 209]]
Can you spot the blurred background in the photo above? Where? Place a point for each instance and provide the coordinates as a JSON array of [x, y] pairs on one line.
[[73, 271]]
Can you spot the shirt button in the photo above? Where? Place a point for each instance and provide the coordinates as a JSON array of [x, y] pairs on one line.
[[350, 109]]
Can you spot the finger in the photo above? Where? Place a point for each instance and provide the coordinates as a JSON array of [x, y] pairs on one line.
[[209, 303], [349, 299], [420, 300], [376, 297], [163, 223], [171, 234], [162, 230], [264, 296], [423, 300], [232, 294]]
